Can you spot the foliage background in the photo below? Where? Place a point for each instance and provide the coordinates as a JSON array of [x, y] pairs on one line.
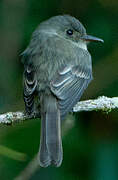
[[91, 146]]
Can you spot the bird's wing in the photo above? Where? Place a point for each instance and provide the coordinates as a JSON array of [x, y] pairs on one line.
[[30, 84], [70, 83], [30, 81]]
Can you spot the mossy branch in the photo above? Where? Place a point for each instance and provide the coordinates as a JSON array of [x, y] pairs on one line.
[[102, 103]]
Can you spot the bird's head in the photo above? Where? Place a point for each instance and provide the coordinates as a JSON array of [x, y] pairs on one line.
[[69, 28]]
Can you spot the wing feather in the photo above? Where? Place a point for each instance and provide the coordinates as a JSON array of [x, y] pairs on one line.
[[30, 84], [30, 81], [69, 85]]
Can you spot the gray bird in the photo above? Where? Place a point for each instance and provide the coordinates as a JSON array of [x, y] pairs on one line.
[[57, 70]]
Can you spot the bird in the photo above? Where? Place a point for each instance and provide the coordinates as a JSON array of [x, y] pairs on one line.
[[57, 70]]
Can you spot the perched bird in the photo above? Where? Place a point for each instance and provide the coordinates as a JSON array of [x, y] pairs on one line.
[[57, 70]]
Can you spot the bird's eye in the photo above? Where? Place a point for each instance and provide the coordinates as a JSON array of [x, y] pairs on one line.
[[69, 32]]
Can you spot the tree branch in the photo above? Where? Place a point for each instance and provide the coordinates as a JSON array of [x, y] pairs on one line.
[[102, 103]]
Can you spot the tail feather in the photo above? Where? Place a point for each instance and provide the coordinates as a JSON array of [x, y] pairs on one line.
[[50, 145], [44, 159]]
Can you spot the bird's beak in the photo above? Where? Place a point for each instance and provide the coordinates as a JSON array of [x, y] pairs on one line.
[[91, 38]]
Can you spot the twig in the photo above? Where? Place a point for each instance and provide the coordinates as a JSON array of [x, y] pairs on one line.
[[10, 153], [102, 103], [29, 170]]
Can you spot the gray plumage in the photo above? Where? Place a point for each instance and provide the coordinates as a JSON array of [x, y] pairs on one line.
[[57, 69]]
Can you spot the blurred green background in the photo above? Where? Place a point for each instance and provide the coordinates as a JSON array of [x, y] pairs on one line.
[[90, 142]]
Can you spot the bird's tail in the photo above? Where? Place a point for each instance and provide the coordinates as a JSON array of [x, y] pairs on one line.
[[50, 151]]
